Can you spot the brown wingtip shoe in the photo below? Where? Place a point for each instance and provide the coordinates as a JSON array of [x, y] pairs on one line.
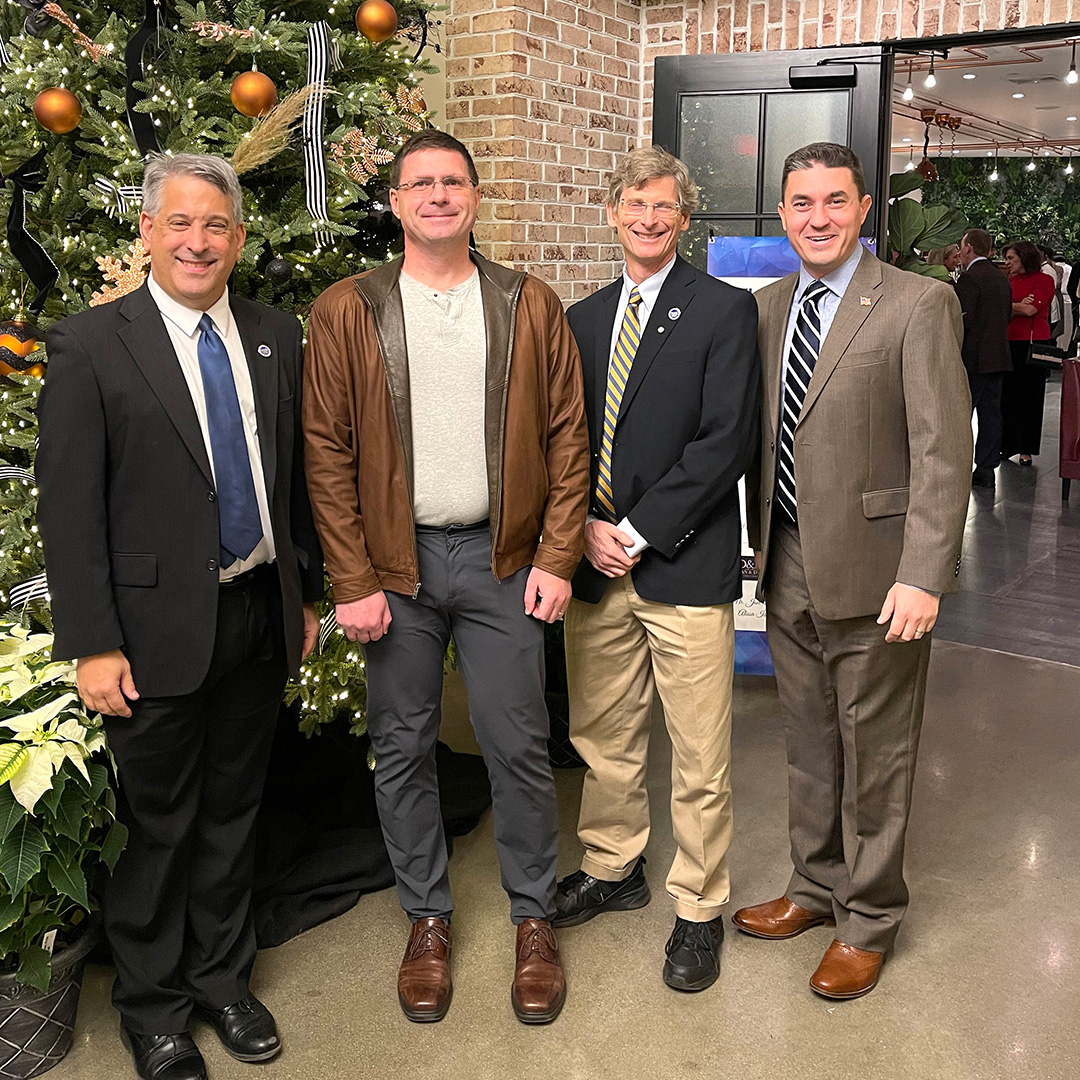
[[424, 984], [539, 988], [846, 972], [778, 919]]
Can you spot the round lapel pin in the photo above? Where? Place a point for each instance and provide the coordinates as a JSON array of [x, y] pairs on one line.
[[264, 350], [674, 313]]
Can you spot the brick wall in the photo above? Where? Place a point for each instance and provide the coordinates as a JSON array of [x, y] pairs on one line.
[[547, 94]]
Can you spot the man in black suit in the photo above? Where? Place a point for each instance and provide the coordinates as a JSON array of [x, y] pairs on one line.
[[672, 378], [986, 300], [183, 566]]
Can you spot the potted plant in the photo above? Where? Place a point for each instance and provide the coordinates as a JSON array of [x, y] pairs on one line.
[[914, 227], [58, 829]]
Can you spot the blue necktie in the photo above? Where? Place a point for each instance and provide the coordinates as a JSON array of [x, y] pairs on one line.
[[805, 345], [238, 510]]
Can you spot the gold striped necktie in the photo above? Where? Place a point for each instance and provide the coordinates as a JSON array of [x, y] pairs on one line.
[[618, 373]]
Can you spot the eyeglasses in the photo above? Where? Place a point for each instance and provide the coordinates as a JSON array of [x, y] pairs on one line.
[[637, 208], [424, 184]]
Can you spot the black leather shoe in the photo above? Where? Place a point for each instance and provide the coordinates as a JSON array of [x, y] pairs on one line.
[[581, 897], [246, 1029], [982, 478], [164, 1057], [693, 954]]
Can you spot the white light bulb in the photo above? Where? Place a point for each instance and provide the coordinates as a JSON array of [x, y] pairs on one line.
[[1072, 77], [908, 93], [931, 80], [909, 166], [1069, 169], [994, 175], [1030, 166]]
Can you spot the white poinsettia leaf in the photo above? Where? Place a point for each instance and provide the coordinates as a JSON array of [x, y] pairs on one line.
[[73, 752], [33, 778], [31, 721]]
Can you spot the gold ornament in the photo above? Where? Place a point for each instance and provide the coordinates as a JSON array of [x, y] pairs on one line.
[[18, 340], [253, 93], [122, 278], [57, 110], [376, 20]]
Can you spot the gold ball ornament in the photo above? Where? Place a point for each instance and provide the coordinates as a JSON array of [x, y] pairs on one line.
[[376, 20], [253, 93], [57, 110]]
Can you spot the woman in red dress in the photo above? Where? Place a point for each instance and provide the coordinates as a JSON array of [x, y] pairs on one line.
[[1024, 388]]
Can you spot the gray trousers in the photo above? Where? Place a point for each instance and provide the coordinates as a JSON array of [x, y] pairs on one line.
[[500, 653], [852, 706]]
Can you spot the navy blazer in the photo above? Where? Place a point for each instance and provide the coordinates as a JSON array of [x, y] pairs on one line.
[[686, 431]]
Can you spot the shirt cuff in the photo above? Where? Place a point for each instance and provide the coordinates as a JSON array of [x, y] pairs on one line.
[[639, 544], [929, 592]]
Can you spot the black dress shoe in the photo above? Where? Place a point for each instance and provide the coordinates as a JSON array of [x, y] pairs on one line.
[[164, 1057], [581, 897], [693, 954], [246, 1029], [982, 477]]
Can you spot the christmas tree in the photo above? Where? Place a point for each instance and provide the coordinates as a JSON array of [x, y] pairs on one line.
[[309, 102]]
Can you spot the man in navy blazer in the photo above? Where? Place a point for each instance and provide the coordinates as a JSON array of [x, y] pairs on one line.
[[183, 566], [671, 376]]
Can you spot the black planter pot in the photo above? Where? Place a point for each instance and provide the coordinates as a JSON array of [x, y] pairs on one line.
[[36, 1030]]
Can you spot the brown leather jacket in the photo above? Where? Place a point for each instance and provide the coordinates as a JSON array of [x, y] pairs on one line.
[[358, 431]]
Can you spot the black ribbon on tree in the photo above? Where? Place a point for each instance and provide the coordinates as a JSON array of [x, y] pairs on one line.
[[29, 178], [36, 23], [141, 124]]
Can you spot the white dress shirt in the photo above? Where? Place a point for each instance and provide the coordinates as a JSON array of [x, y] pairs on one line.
[[182, 324], [649, 290]]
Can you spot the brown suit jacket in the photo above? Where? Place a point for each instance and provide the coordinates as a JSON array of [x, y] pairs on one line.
[[883, 447]]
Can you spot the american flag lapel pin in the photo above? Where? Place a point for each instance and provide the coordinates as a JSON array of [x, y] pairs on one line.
[[865, 301]]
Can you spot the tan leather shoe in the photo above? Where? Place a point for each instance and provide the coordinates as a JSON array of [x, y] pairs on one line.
[[424, 984], [778, 919], [539, 988], [846, 972]]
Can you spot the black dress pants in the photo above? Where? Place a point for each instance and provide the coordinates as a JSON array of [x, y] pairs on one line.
[[191, 771], [986, 403]]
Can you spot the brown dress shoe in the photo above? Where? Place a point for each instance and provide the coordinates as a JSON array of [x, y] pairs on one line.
[[778, 919], [846, 972], [539, 988], [424, 986]]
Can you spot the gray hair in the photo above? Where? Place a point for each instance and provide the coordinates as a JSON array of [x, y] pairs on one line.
[[831, 156], [653, 163], [214, 170]]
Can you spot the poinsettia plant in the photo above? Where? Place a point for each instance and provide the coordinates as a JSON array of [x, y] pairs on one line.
[[58, 824]]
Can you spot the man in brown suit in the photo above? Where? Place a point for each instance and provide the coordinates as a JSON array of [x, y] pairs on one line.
[[864, 482]]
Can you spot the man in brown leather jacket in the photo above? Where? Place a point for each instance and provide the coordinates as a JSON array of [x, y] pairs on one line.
[[448, 468]]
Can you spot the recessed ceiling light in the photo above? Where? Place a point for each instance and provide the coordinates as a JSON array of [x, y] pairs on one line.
[[1018, 95], [1071, 119], [969, 74], [905, 140]]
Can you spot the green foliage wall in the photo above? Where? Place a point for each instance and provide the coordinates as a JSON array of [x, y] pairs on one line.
[[1041, 205]]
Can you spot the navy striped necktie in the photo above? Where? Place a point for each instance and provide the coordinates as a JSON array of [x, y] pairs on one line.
[[805, 346]]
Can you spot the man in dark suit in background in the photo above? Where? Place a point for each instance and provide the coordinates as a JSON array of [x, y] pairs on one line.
[[986, 300], [671, 396], [183, 566]]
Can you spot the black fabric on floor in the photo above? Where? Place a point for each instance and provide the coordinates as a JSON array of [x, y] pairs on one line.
[[319, 846]]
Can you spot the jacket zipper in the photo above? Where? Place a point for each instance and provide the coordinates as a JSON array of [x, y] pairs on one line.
[[502, 431]]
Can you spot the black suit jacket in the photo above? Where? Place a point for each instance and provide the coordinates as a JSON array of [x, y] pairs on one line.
[[986, 300], [127, 508], [686, 430]]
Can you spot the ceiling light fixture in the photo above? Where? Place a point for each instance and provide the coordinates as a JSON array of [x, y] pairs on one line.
[[1030, 166], [1018, 95], [1071, 119], [931, 78], [1072, 78], [909, 92], [969, 74], [1069, 168], [910, 166]]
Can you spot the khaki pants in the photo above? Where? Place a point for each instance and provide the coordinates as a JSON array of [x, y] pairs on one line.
[[616, 651]]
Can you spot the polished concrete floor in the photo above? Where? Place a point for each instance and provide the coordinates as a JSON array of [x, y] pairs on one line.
[[984, 984]]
